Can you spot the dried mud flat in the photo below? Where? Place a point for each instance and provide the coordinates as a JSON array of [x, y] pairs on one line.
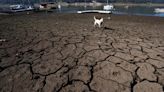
[[65, 53]]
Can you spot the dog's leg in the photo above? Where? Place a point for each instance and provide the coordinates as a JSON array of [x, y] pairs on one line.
[[99, 25], [94, 24]]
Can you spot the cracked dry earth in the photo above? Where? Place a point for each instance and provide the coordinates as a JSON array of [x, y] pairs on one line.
[[65, 53]]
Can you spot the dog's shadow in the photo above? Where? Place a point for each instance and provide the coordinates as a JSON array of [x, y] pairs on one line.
[[107, 28]]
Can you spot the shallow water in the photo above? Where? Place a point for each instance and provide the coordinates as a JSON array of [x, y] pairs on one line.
[[133, 10]]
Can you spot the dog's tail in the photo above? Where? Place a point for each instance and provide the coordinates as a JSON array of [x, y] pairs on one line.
[[94, 18]]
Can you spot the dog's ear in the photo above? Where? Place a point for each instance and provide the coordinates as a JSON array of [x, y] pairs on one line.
[[94, 18], [102, 19]]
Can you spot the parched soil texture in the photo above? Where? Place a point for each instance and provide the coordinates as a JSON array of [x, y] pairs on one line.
[[66, 53]]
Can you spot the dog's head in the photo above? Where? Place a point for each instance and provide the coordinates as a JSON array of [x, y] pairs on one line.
[[98, 18]]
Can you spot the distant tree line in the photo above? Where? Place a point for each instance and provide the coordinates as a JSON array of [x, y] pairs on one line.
[[72, 1]]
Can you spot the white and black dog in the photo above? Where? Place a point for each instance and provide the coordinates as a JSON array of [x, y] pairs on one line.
[[98, 21]]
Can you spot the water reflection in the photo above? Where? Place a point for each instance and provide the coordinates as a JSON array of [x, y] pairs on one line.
[[159, 14], [134, 10]]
